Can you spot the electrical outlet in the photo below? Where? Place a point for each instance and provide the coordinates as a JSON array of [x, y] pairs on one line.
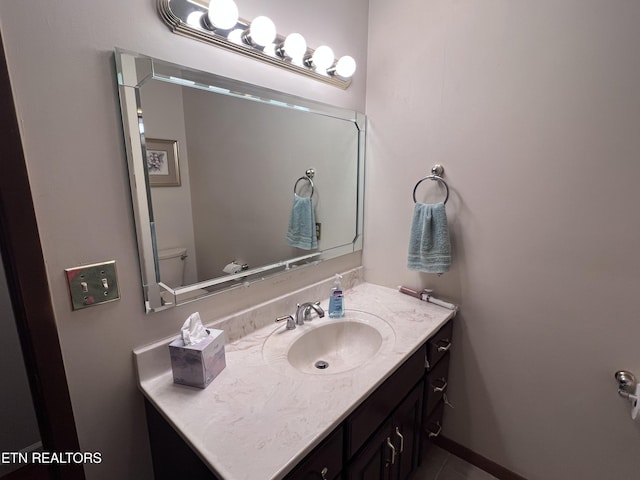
[[318, 230], [92, 284]]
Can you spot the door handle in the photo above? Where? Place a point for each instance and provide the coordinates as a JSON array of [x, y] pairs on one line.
[[444, 345], [401, 439], [393, 451], [437, 433], [442, 388]]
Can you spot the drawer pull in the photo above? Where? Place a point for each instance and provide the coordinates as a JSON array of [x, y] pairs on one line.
[[435, 434], [393, 451], [401, 439], [444, 345], [324, 472], [442, 388]]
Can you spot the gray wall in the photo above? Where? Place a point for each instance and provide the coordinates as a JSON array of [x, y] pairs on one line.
[[533, 109], [61, 65]]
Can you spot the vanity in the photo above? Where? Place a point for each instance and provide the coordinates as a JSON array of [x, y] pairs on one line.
[[351, 398], [266, 417]]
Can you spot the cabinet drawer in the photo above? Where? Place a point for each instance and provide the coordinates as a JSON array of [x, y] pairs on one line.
[[436, 385], [433, 425], [375, 409], [325, 462], [439, 344]]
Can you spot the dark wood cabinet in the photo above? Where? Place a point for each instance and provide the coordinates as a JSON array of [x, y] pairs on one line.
[[406, 426], [391, 449], [392, 452], [439, 344], [172, 457], [372, 463], [370, 415], [435, 385], [325, 462]]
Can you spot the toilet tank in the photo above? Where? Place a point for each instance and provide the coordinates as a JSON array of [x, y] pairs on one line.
[[172, 265]]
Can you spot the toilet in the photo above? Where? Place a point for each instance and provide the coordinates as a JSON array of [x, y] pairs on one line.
[[172, 262], [172, 266]]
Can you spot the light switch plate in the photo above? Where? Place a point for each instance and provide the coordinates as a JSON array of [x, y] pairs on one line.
[[92, 284]]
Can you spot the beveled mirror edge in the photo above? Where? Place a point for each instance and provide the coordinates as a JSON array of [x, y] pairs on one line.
[[129, 82]]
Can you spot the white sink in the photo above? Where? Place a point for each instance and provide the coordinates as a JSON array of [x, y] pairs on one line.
[[329, 346]]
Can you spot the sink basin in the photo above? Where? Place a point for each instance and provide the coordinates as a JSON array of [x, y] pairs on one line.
[[328, 345]]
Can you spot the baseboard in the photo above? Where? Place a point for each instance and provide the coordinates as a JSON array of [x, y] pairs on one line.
[[476, 459]]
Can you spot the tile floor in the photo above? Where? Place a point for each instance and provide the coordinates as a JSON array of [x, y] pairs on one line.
[[441, 465]]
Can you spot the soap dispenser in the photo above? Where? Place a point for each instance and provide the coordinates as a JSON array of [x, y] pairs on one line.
[[336, 300]]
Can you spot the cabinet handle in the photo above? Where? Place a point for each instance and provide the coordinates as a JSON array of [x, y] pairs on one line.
[[442, 388], [435, 434], [401, 439], [324, 472], [393, 451], [446, 345]]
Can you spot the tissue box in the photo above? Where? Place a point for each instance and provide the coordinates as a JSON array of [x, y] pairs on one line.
[[197, 365]]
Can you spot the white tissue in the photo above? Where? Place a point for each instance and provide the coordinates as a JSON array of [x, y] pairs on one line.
[[635, 404], [232, 267], [193, 331]]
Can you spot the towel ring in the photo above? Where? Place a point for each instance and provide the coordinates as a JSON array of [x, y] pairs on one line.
[[431, 177], [308, 177]]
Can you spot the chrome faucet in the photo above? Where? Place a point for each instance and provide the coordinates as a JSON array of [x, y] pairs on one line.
[[303, 312]]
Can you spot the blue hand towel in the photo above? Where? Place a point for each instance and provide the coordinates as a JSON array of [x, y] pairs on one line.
[[302, 225], [429, 247]]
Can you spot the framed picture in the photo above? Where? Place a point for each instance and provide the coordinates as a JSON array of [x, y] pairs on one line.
[[162, 163]]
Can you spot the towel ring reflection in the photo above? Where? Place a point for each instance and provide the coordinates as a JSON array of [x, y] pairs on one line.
[[431, 177], [308, 175]]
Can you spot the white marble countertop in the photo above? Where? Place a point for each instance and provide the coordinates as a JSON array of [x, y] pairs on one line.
[[258, 419]]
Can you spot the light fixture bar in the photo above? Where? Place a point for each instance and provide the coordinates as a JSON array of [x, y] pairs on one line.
[[184, 18]]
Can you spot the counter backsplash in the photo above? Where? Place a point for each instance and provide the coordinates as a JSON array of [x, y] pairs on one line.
[[155, 361]]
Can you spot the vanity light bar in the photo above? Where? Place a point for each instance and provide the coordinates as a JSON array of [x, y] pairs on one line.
[[189, 18]]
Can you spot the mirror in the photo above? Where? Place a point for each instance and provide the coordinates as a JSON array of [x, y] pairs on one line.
[[213, 163]]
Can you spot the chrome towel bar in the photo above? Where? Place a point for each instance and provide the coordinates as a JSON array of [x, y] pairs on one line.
[[436, 175], [308, 176]]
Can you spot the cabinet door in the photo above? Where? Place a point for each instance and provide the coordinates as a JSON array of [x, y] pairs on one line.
[[324, 463], [392, 453], [405, 432], [374, 460]]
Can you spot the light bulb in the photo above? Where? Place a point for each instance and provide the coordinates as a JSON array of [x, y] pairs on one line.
[[194, 19], [322, 58], [262, 31], [235, 36], [295, 46], [346, 66], [270, 50], [223, 14]]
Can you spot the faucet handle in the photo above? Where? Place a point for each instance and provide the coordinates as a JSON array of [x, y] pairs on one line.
[[291, 324], [307, 311]]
